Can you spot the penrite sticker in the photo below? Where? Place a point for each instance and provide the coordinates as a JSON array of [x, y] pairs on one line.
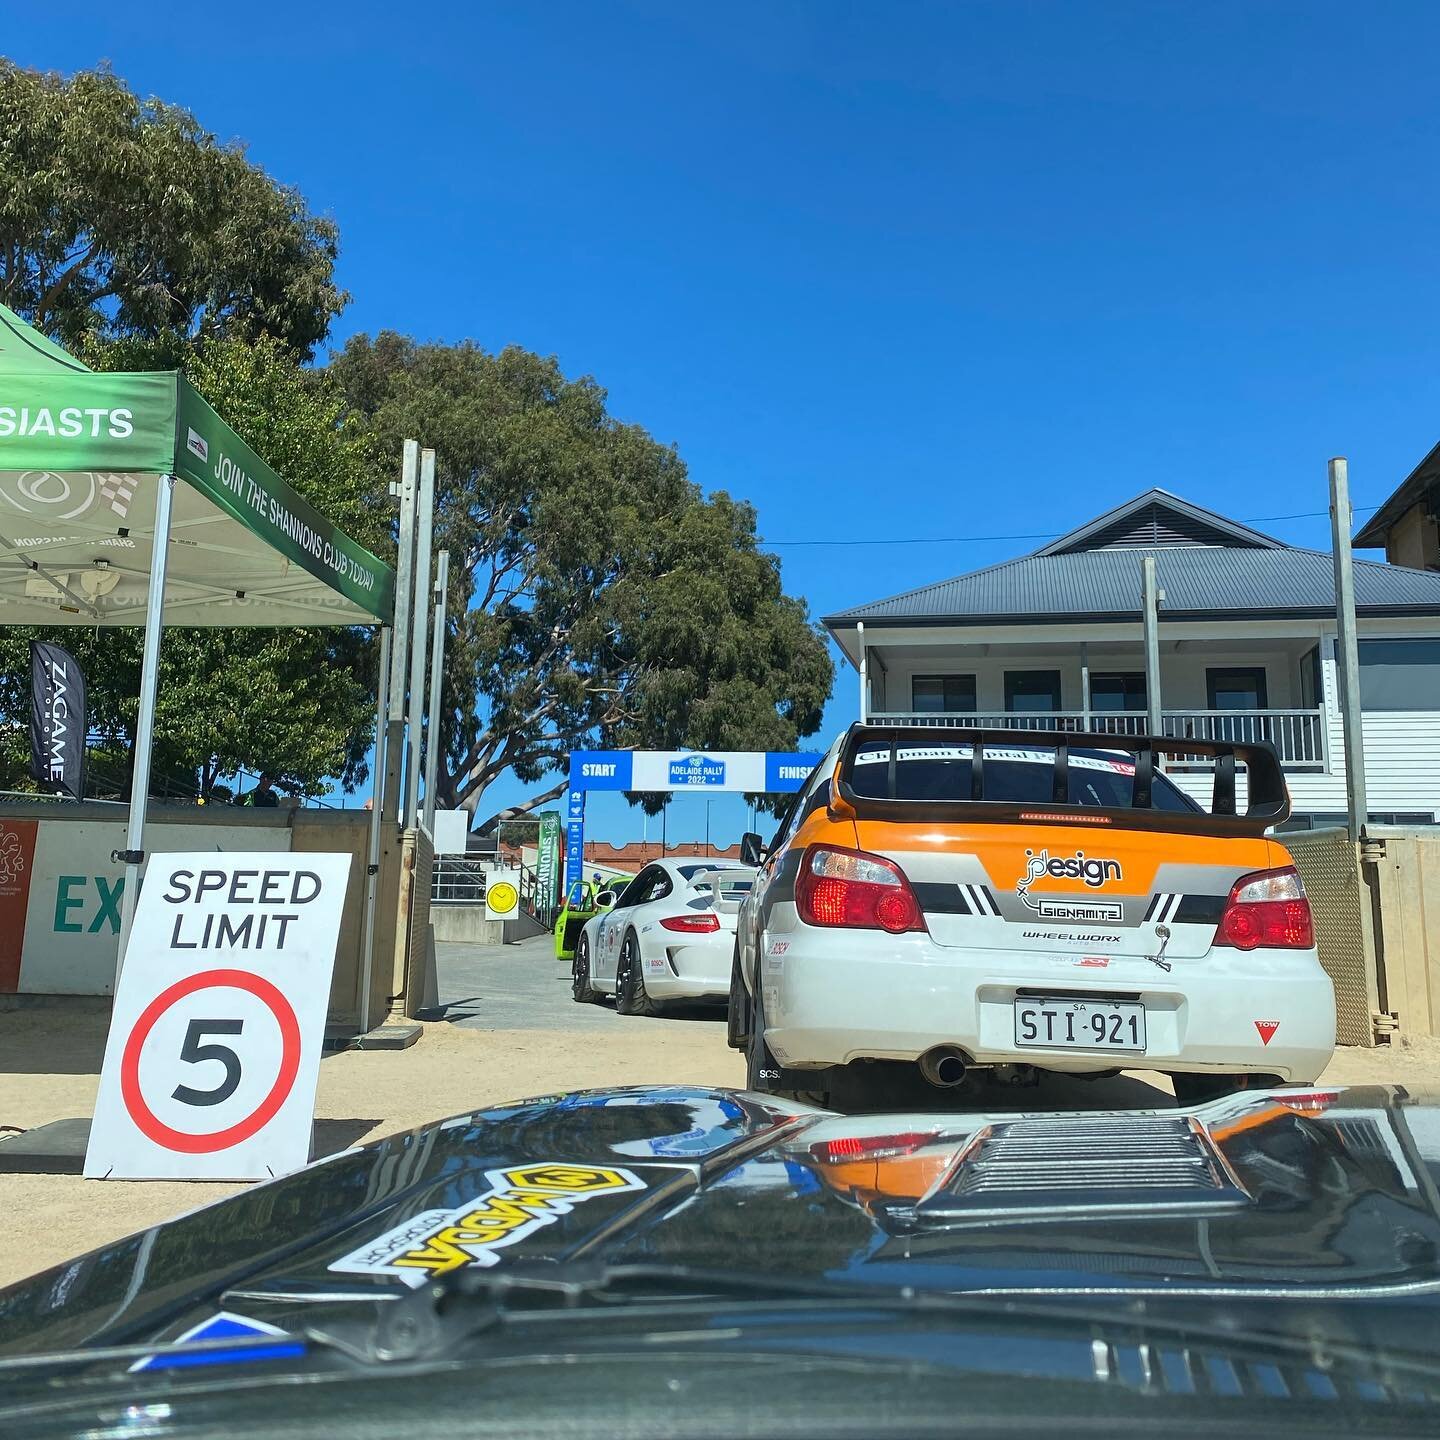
[[521, 1200]]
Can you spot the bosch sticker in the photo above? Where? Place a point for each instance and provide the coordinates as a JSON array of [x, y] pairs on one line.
[[521, 1200]]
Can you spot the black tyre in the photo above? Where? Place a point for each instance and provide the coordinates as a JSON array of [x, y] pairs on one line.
[[580, 987], [763, 1072], [631, 996], [737, 1013]]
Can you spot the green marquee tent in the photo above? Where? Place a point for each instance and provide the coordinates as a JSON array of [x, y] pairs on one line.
[[126, 500], [82, 455]]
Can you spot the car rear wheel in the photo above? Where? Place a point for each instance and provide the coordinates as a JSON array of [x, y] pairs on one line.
[[580, 987], [764, 1073], [631, 996], [737, 1013]]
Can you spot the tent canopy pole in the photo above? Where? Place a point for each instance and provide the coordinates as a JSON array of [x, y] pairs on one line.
[[134, 852]]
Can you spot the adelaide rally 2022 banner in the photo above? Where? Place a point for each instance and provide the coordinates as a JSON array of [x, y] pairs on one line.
[[57, 720]]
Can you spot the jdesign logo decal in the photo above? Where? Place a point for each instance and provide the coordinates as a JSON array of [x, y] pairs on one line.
[[1095, 872], [521, 1200]]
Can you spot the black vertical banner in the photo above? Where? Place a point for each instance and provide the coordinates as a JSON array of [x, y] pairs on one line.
[[57, 720]]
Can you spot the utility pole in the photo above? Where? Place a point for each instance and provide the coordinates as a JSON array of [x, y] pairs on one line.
[[437, 677], [1347, 648], [419, 624], [1150, 605]]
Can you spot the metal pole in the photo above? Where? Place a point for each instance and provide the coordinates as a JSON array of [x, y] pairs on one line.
[[864, 673], [437, 676], [1150, 603], [404, 577], [1085, 684], [1347, 650], [419, 624], [134, 853], [372, 853]]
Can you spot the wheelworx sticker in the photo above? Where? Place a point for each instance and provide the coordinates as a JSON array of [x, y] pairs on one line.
[[521, 1200]]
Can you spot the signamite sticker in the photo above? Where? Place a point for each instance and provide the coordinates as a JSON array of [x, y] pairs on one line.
[[521, 1200]]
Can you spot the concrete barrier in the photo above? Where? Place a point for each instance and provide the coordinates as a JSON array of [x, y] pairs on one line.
[[466, 925]]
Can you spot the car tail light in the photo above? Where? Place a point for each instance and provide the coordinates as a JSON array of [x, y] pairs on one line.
[[1267, 909], [1310, 1102], [705, 923], [869, 1147], [859, 891]]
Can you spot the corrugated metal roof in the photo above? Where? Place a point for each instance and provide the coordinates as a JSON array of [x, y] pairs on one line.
[[1196, 580]]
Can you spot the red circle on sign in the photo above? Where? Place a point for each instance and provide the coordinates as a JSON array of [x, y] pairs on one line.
[[149, 1124]]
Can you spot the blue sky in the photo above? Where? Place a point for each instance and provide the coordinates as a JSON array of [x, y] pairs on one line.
[[888, 270]]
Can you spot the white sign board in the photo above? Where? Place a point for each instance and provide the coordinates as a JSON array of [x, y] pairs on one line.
[[452, 831], [502, 895], [219, 1017]]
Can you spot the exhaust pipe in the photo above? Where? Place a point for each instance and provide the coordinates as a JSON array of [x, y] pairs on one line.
[[944, 1066]]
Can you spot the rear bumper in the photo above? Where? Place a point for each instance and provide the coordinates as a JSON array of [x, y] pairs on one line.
[[689, 972], [836, 996]]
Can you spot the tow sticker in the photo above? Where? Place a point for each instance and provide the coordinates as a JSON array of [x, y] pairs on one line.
[[521, 1200], [1267, 1028]]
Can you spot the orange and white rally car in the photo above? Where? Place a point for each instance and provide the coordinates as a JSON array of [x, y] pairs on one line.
[[955, 899]]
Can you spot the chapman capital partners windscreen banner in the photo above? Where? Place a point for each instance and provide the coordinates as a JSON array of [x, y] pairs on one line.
[[57, 721]]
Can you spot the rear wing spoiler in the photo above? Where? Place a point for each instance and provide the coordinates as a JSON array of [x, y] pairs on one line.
[[1268, 798], [718, 881]]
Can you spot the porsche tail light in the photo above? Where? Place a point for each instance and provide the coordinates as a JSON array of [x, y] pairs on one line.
[[704, 923], [855, 890], [1269, 909]]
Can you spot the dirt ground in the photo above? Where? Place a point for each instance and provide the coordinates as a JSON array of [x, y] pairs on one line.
[[50, 1061], [49, 1070]]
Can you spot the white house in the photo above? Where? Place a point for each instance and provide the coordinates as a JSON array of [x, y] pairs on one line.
[[1247, 651]]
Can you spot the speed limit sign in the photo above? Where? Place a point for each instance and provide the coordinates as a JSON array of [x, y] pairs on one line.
[[215, 1037]]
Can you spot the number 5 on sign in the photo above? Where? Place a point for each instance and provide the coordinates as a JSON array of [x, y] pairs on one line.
[[214, 1045]]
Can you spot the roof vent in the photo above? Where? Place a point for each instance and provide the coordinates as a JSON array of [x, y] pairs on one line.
[[1102, 1164]]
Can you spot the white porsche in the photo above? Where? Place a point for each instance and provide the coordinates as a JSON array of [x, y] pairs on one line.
[[670, 936]]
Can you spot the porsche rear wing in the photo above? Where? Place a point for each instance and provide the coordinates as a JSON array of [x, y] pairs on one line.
[[726, 896], [1268, 798]]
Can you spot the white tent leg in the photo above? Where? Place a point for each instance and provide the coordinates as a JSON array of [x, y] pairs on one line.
[[134, 852]]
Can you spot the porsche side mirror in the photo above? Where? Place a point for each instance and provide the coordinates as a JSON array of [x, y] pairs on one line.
[[752, 848]]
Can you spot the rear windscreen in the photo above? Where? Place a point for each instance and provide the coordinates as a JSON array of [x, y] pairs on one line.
[[1097, 778]]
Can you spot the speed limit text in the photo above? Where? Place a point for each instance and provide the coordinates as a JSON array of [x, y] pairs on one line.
[[259, 907]]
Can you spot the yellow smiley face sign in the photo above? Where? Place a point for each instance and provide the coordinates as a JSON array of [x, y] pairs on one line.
[[502, 899]]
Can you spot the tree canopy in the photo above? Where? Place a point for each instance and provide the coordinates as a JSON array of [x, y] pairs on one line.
[[298, 702], [121, 216], [597, 596]]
